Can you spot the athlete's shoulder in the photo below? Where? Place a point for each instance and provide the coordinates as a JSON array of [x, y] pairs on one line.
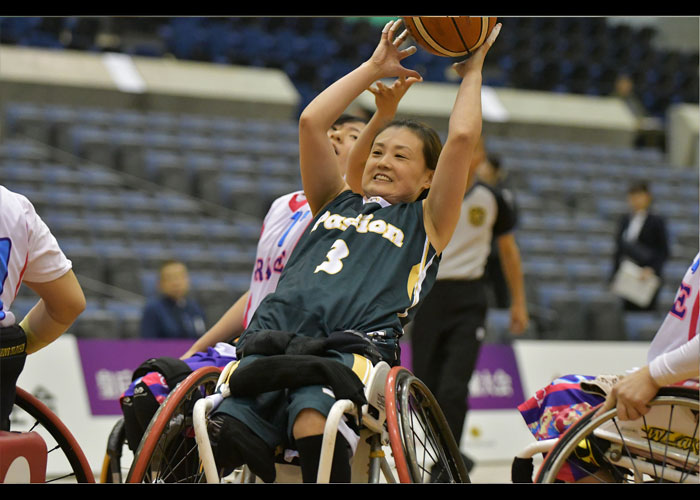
[[16, 206], [288, 203]]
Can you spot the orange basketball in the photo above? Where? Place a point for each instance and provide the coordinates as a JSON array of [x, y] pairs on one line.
[[449, 36]]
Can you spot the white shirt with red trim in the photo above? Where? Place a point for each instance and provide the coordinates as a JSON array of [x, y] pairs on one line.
[[28, 250], [285, 222], [674, 351]]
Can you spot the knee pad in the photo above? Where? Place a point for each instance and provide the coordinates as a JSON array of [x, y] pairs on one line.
[[234, 444]]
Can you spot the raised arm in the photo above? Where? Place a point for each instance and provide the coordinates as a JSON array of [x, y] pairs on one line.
[[442, 205], [386, 99], [321, 182]]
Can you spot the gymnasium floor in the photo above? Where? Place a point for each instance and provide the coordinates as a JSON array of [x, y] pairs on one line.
[[490, 472]]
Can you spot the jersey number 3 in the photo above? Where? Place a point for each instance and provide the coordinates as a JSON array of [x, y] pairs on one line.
[[334, 262]]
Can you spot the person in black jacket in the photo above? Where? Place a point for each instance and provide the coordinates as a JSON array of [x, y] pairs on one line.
[[641, 237]]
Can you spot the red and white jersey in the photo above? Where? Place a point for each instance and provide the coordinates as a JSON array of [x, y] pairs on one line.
[[283, 225], [28, 250], [679, 327]]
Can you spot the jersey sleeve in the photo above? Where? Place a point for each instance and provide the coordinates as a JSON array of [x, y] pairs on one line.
[[679, 364], [506, 216], [45, 259]]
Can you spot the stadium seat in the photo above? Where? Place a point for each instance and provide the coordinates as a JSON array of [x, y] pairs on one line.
[[641, 326]]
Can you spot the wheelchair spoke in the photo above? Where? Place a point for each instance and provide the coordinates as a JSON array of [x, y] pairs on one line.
[[426, 437], [170, 455]]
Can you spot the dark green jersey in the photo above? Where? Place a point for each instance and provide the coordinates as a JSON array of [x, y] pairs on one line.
[[361, 265]]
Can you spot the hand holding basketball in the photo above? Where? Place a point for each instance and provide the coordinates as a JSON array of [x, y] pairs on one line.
[[476, 61], [387, 56]]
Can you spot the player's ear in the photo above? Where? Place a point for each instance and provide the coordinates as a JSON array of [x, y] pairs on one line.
[[428, 178]]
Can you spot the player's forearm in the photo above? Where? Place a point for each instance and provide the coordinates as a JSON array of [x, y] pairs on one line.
[[680, 364], [512, 268], [61, 302], [466, 117], [322, 112], [226, 329], [357, 157], [42, 327]]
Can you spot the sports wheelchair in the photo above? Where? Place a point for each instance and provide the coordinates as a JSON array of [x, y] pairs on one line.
[[42, 442], [403, 436], [659, 447]]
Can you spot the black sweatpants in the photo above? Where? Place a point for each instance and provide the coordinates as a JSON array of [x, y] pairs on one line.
[[446, 336], [13, 346]]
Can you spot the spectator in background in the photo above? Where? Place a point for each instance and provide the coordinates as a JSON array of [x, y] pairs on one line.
[[642, 238], [624, 89], [173, 314], [491, 173], [648, 128]]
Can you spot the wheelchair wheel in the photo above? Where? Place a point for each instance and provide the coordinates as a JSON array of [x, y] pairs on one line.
[[112, 467], [62, 446], [661, 446], [168, 451], [423, 446]]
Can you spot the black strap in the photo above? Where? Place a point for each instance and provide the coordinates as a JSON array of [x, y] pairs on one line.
[[173, 369], [286, 371]]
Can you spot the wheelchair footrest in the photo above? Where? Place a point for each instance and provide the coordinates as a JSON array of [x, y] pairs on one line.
[[23, 457]]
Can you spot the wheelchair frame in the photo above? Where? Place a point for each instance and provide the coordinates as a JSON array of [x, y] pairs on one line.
[[401, 415], [653, 448], [64, 441]]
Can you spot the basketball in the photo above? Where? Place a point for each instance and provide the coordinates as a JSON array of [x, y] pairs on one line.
[[449, 36]]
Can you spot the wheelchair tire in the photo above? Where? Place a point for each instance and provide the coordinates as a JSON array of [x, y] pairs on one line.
[[595, 449], [168, 451], [65, 443], [420, 439], [112, 466]]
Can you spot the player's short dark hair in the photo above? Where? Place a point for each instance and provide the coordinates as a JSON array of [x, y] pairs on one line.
[[169, 262], [638, 187], [348, 118]]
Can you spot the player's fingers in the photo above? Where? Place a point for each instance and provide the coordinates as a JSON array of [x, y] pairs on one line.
[[385, 30], [395, 24], [403, 54], [608, 404], [493, 35], [401, 38]]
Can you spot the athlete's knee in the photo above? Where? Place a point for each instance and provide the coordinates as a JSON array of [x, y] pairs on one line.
[[309, 422], [234, 444]]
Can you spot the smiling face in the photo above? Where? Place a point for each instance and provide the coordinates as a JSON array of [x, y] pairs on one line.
[[343, 137], [396, 168]]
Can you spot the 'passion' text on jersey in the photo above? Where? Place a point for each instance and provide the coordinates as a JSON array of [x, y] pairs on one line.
[[362, 224]]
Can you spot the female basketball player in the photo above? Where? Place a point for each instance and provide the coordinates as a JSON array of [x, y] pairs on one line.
[[363, 265], [283, 225]]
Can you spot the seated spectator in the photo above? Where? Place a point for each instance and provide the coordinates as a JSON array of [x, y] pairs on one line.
[[173, 314]]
